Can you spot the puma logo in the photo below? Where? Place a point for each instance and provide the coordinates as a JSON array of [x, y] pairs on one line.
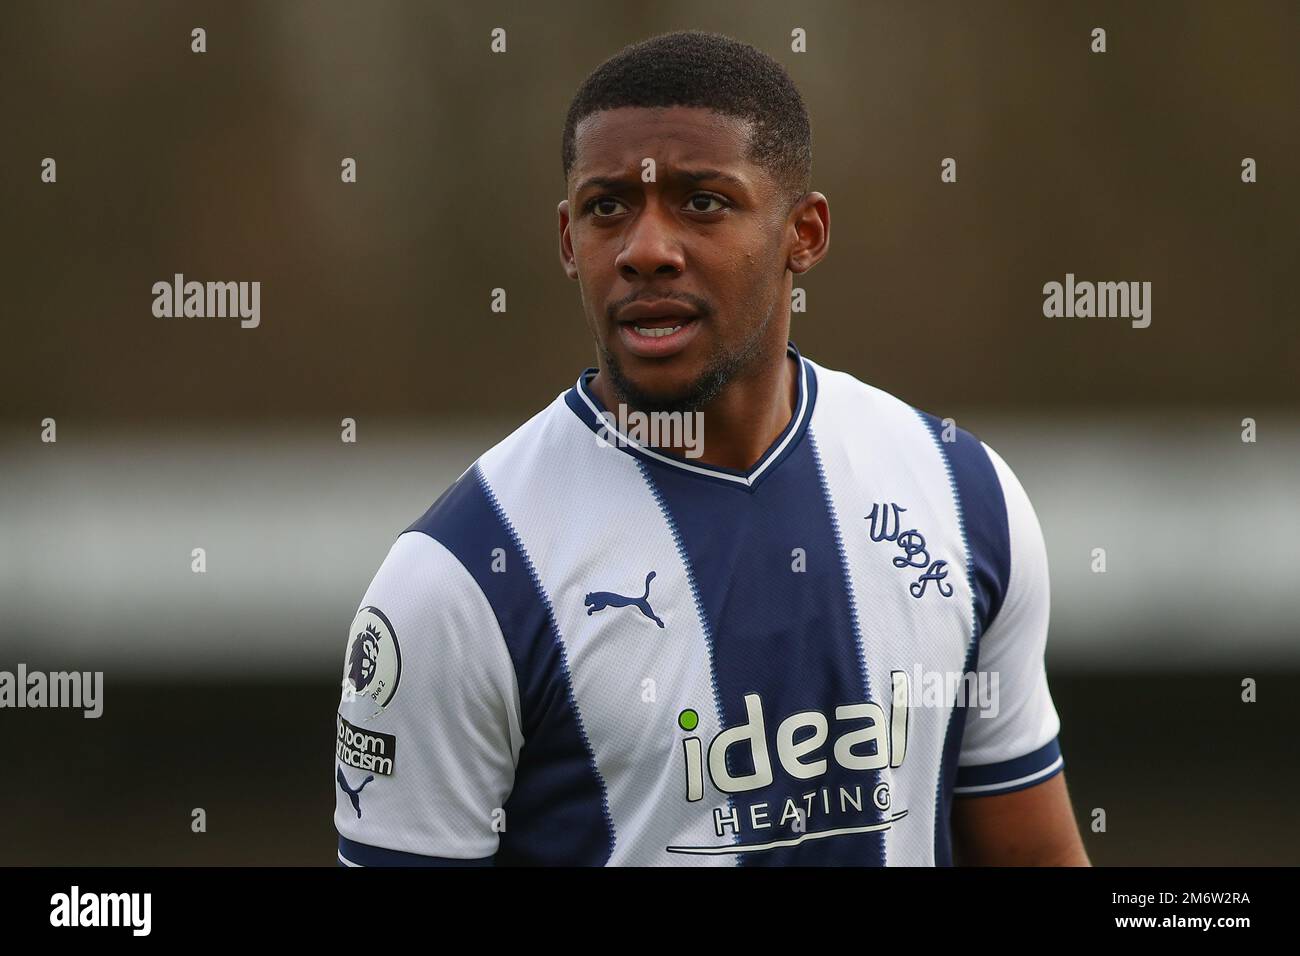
[[354, 795], [599, 600]]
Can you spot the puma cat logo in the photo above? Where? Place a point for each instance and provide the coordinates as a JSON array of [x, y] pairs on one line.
[[354, 795], [599, 600]]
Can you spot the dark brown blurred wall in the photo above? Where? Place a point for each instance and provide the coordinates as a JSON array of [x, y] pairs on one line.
[[375, 296]]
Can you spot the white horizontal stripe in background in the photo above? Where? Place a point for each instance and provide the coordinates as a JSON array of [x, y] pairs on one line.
[[1201, 531]]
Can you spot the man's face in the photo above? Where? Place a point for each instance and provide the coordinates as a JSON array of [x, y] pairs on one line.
[[683, 279]]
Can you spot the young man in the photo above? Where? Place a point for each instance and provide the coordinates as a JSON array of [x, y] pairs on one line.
[[742, 641]]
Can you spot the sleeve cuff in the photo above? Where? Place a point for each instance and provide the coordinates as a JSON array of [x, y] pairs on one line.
[[1010, 775], [352, 853]]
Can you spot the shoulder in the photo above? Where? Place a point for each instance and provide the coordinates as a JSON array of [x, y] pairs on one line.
[[469, 508], [847, 406], [997, 521], [468, 541], [437, 576]]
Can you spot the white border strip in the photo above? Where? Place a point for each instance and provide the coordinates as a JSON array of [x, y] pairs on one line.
[[980, 788]]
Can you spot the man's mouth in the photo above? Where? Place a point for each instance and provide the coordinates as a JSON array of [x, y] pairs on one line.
[[656, 329], [658, 338], [656, 333]]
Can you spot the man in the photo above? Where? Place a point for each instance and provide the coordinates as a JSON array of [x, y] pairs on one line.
[[741, 650]]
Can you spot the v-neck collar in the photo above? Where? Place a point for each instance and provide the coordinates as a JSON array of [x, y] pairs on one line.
[[584, 403]]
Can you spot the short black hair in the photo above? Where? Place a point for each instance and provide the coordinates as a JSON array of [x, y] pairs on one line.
[[696, 68]]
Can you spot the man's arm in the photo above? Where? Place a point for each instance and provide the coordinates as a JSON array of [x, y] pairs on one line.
[[1030, 827], [428, 727], [1010, 803]]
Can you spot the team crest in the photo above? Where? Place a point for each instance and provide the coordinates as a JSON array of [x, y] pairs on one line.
[[912, 542], [372, 665]]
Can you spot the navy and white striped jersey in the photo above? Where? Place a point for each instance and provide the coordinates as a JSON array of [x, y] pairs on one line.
[[590, 652]]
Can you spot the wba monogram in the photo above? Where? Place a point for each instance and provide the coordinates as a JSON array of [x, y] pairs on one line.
[[912, 543]]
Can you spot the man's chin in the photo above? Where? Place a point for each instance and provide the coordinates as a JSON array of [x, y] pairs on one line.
[[664, 390], [663, 402]]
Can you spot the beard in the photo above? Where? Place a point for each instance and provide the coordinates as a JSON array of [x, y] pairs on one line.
[[722, 368]]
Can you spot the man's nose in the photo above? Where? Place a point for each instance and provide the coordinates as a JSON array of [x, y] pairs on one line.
[[652, 245]]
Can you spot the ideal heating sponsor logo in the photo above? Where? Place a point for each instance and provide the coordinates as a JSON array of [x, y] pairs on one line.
[[866, 740], [365, 749]]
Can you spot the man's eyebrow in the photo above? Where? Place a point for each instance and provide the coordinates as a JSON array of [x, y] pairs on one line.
[[693, 175]]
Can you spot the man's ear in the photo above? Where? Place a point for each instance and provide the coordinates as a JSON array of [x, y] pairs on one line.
[[811, 221], [566, 247]]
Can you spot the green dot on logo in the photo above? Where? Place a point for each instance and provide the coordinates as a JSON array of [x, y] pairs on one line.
[[688, 719]]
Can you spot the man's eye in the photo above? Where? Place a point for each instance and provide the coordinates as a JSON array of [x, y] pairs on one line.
[[605, 207], [705, 197]]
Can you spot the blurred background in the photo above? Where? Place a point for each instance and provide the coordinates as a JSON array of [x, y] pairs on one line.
[[176, 434]]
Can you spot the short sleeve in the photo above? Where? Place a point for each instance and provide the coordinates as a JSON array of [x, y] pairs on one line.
[[1013, 743], [428, 730]]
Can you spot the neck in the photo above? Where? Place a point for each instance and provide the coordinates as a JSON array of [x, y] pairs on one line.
[[743, 421]]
